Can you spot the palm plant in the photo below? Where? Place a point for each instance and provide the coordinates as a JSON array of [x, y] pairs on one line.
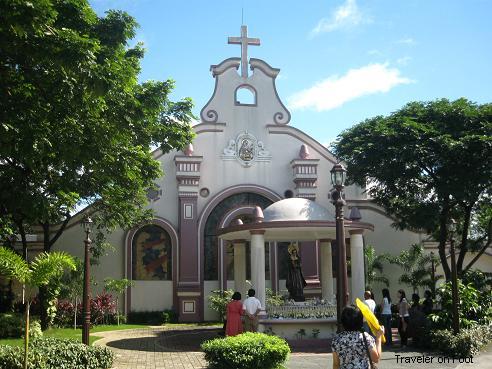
[[39, 273], [374, 266], [417, 267]]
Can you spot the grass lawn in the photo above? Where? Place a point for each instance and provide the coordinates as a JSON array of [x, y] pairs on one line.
[[73, 333], [76, 334]]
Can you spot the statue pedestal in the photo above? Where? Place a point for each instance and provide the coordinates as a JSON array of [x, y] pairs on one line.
[[292, 328]]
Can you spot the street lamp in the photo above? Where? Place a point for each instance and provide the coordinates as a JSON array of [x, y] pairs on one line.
[[87, 224], [454, 277], [338, 173]]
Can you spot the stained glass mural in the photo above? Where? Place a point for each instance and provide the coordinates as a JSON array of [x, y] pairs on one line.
[[152, 254]]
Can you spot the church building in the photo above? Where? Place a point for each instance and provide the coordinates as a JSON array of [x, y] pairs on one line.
[[246, 163]]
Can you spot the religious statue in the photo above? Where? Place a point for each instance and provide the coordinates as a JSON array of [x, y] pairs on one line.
[[246, 151], [295, 280], [230, 150], [262, 152]]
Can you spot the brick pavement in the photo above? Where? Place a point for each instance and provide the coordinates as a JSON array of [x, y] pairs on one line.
[[179, 347]]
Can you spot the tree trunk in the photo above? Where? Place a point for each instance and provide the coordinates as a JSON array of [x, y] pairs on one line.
[[26, 335], [464, 240], [43, 293], [443, 224], [75, 314]]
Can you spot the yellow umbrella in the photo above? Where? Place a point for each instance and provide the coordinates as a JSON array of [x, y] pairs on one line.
[[371, 319]]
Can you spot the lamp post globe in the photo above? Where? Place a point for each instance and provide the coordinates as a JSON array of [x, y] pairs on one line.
[[87, 225], [338, 173]]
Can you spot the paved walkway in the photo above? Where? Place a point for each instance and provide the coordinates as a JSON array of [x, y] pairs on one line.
[[179, 347]]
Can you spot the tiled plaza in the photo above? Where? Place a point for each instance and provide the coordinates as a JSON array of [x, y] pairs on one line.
[[178, 347]]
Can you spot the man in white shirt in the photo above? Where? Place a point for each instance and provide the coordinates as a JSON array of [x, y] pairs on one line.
[[251, 309]]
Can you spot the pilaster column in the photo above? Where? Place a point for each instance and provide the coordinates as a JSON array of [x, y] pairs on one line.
[[326, 270], [240, 266], [188, 295], [357, 264], [258, 264]]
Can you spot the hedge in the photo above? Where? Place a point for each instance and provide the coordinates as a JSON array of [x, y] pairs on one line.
[[152, 317], [246, 351], [57, 353]]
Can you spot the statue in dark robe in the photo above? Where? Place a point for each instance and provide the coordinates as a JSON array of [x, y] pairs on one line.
[[295, 280]]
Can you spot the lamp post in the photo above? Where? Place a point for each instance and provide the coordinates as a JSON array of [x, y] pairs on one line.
[[338, 179], [454, 278], [87, 224]]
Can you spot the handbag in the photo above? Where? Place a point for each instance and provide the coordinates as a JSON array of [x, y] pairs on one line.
[[373, 366]]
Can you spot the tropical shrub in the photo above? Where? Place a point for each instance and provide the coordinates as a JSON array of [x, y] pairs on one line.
[[466, 343], [245, 351], [103, 311], [471, 309], [13, 326], [56, 353]]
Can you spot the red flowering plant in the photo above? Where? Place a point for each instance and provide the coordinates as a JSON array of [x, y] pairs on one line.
[[103, 309]]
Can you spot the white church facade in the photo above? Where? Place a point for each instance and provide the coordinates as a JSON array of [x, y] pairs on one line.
[[245, 155]]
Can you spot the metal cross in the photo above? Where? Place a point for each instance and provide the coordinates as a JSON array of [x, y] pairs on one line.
[[244, 41]]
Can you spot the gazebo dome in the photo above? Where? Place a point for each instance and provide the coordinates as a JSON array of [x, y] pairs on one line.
[[296, 209]]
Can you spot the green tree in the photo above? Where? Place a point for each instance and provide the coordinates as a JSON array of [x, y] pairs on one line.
[[425, 163], [39, 273], [118, 286], [76, 126], [417, 268], [374, 267], [72, 286], [218, 300]]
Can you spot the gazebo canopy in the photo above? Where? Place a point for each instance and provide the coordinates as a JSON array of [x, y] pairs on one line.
[[292, 219]]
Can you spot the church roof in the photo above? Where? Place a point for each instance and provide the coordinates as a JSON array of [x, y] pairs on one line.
[[297, 209]]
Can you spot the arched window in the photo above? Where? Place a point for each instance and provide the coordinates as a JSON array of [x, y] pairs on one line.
[[151, 254], [245, 95], [211, 241]]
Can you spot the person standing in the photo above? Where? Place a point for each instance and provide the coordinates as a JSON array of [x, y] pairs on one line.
[[251, 307], [404, 317], [369, 301], [352, 348], [386, 316], [234, 325], [427, 305]]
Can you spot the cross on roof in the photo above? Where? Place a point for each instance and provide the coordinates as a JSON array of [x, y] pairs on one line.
[[244, 41]]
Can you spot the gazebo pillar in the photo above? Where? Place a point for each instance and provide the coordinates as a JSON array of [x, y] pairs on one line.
[[240, 266], [326, 270], [357, 264], [258, 264]]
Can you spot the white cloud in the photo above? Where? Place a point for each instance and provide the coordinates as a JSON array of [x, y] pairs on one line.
[[407, 41], [375, 52], [345, 16], [337, 90], [403, 61]]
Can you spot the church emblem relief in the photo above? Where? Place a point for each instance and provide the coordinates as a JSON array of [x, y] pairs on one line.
[[246, 149]]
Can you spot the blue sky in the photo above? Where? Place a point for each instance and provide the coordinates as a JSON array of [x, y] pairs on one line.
[[341, 61]]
